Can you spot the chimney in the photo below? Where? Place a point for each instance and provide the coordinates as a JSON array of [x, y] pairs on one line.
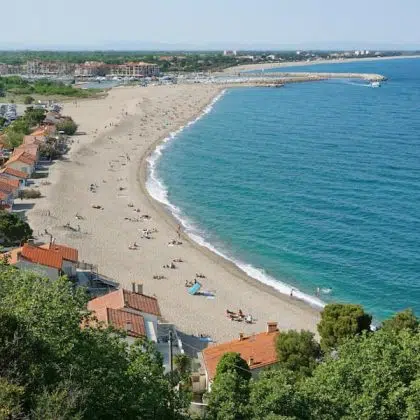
[[250, 361], [241, 336], [272, 327], [140, 288], [133, 287]]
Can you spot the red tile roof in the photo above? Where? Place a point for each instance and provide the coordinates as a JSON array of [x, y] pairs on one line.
[[260, 348], [21, 156], [32, 140], [11, 181], [4, 196], [67, 253], [133, 324], [42, 256], [123, 299], [6, 187], [30, 149], [14, 172]]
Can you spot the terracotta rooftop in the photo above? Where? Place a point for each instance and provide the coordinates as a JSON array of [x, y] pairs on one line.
[[123, 299], [260, 348], [133, 324], [14, 172], [21, 156], [32, 139], [67, 253], [31, 149], [7, 187], [10, 181], [42, 256], [3, 195]]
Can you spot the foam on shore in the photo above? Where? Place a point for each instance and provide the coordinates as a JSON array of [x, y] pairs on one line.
[[159, 192]]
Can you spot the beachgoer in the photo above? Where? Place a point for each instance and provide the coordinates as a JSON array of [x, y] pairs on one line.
[[178, 231], [317, 291], [241, 314], [291, 292]]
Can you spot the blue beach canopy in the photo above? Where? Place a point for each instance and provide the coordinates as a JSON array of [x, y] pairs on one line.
[[194, 289]]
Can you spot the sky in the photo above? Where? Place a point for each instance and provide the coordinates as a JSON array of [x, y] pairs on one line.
[[136, 24]]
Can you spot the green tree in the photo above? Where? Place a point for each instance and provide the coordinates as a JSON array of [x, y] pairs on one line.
[[182, 364], [297, 351], [233, 362], [71, 372], [402, 320], [11, 396], [34, 116], [374, 376], [68, 126], [13, 230], [229, 397], [275, 394], [28, 100], [340, 322]]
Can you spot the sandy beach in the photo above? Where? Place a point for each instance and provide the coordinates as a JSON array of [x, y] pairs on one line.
[[265, 66], [121, 132]]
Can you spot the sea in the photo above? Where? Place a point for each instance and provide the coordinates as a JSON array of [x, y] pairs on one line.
[[313, 187]]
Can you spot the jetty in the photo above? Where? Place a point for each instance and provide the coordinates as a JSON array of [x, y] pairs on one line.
[[279, 79]]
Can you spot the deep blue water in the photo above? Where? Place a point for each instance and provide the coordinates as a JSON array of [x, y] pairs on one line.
[[317, 184]]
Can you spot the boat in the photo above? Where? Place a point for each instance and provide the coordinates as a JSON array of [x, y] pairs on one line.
[[375, 84]]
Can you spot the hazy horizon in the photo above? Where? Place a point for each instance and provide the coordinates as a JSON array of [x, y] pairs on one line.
[[221, 24]]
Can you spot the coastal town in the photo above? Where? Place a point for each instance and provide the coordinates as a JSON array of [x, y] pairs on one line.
[[80, 176]]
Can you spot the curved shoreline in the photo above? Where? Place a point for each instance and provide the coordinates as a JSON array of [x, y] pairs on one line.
[[122, 130], [143, 177]]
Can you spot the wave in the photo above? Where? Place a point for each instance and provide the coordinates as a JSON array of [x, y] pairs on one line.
[[159, 192]]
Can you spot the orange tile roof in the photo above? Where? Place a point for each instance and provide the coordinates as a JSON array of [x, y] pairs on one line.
[[42, 256], [67, 253], [30, 149], [122, 298], [6, 187], [260, 347], [11, 181], [3, 195], [133, 324], [32, 139], [21, 156], [43, 131], [14, 172]]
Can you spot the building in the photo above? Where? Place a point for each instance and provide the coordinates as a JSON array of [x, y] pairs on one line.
[[50, 260], [22, 161], [134, 312], [258, 350], [10, 186], [139, 316], [229, 53], [6, 201], [49, 68], [14, 174], [90, 69], [137, 70], [7, 69]]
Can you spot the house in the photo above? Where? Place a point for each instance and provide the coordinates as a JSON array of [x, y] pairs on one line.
[[10, 186], [14, 174], [29, 148], [69, 255], [138, 315], [133, 311], [22, 161], [258, 350], [6, 201], [50, 260]]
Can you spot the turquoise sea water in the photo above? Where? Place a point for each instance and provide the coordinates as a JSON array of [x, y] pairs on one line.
[[315, 185]]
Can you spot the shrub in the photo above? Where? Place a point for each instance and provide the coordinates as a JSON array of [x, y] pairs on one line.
[[31, 193], [28, 100], [68, 126]]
